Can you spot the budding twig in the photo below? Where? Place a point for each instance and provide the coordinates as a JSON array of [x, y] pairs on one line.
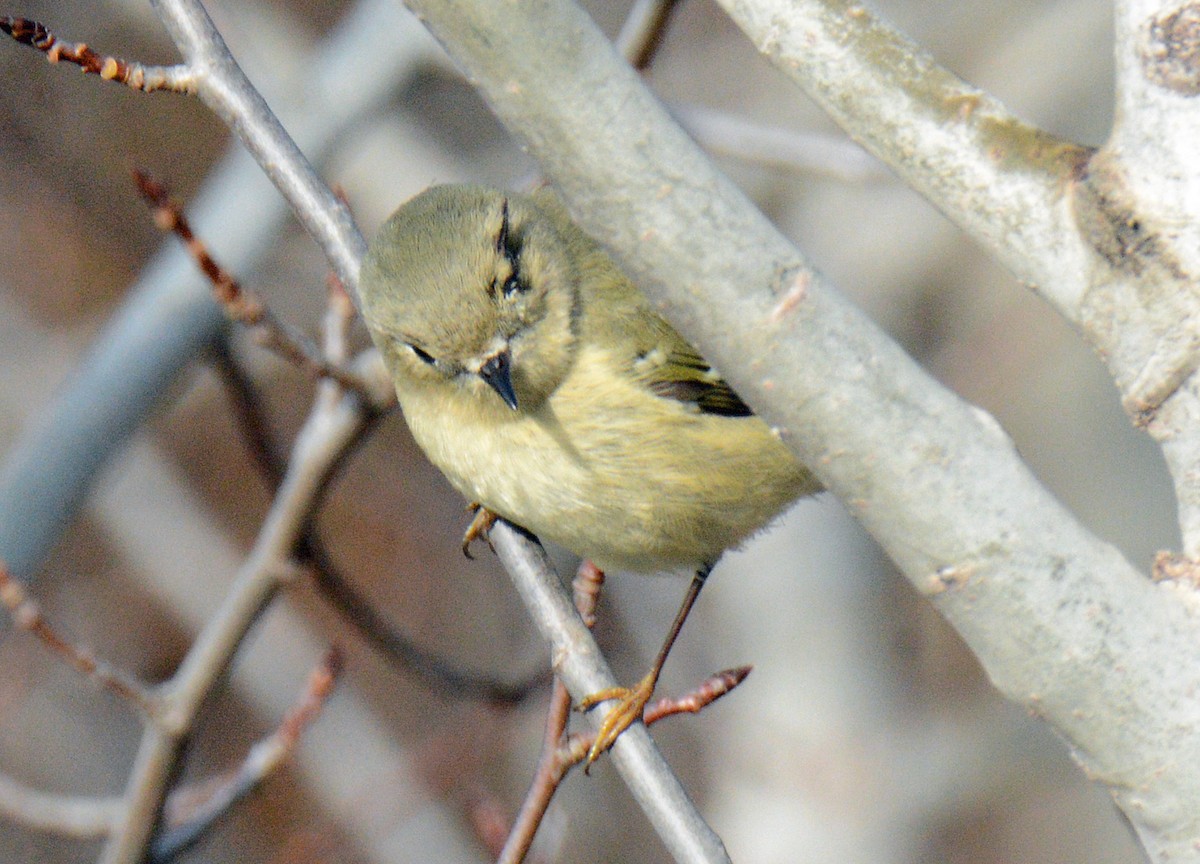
[[239, 304], [176, 79], [575, 749], [193, 814], [26, 615]]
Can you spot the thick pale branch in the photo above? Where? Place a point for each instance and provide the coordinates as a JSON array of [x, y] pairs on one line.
[[1058, 618], [1157, 116], [1147, 187], [1003, 181], [1112, 238]]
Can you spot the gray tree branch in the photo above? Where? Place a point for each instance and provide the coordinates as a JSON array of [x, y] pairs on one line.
[[1061, 622]]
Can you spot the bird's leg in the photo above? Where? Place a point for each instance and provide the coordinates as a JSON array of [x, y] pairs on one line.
[[481, 523], [631, 701]]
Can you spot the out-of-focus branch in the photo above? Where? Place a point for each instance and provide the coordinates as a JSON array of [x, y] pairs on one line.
[[644, 29], [65, 815], [29, 617], [1058, 618], [239, 304], [792, 150], [332, 424], [190, 819], [170, 317]]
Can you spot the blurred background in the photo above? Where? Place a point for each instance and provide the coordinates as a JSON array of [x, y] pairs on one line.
[[866, 732]]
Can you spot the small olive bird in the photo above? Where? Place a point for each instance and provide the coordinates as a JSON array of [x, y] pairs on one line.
[[538, 378]]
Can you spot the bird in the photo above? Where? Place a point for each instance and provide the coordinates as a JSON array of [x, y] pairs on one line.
[[541, 382]]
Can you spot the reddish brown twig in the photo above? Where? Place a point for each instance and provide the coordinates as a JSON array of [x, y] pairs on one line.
[[26, 615], [239, 304], [577, 746], [177, 79], [193, 811]]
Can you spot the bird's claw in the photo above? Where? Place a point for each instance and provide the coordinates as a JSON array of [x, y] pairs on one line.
[[481, 523], [631, 705]]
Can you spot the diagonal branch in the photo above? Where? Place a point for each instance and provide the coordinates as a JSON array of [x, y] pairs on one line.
[[1006, 183], [1060, 621], [224, 88], [579, 664]]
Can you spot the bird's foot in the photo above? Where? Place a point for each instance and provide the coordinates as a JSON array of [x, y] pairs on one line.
[[481, 523], [631, 705]]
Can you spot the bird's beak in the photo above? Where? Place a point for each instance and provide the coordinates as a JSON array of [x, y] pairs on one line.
[[497, 372]]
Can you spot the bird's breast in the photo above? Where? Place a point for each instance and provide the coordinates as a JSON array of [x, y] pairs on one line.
[[609, 470]]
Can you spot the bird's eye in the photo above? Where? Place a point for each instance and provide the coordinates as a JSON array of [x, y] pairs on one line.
[[423, 355], [512, 285]]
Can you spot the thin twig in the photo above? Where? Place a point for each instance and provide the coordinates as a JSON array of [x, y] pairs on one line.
[[339, 317], [430, 668], [177, 79], [249, 413], [26, 615], [578, 745], [74, 816], [434, 671], [240, 304], [191, 816]]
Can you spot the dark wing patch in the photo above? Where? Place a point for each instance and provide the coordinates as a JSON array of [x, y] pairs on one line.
[[710, 397], [684, 376]]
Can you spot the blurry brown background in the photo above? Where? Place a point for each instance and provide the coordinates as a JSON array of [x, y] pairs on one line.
[[866, 733]]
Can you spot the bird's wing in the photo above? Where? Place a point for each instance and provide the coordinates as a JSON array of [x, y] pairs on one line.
[[672, 369], [658, 356]]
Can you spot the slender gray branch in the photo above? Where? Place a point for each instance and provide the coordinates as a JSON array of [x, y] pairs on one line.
[[580, 665], [226, 90], [1058, 618]]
